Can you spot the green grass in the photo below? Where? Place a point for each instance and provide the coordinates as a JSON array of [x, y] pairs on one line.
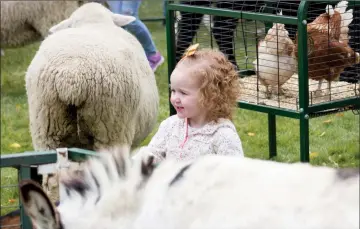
[[9, 192], [335, 144]]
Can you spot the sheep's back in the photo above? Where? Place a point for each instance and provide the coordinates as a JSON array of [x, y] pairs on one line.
[[82, 64], [88, 66]]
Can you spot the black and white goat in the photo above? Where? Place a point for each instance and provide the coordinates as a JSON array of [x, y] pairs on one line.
[[219, 192]]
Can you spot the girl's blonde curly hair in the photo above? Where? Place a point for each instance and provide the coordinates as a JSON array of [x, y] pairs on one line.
[[219, 82]]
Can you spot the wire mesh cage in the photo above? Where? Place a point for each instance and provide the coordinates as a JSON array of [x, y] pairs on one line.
[[270, 49], [284, 51]]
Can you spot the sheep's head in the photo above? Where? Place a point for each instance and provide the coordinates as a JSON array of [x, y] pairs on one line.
[[105, 194], [91, 13]]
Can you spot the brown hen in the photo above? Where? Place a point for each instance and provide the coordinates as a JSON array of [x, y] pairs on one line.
[[328, 49]]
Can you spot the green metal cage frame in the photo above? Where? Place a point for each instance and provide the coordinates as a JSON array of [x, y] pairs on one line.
[[305, 111], [23, 162]]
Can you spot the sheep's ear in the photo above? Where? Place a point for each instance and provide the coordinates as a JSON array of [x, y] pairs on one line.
[[62, 25], [37, 205], [122, 20]]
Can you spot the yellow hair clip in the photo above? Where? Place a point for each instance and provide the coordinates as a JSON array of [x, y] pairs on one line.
[[191, 50]]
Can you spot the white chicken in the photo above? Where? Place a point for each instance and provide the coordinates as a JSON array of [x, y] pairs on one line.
[[275, 63]]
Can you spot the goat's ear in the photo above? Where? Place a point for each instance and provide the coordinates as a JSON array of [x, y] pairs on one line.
[[60, 26], [38, 206], [147, 165], [122, 20]]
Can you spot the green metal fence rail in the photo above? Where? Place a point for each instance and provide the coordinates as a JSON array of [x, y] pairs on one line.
[[305, 111], [23, 162]]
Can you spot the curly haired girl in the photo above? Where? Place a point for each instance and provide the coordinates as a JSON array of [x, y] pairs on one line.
[[204, 90]]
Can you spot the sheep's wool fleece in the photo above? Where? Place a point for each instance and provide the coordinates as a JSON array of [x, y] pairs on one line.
[[101, 70], [23, 22]]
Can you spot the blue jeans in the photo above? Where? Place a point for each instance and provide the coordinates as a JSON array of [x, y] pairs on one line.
[[137, 27], [164, 8]]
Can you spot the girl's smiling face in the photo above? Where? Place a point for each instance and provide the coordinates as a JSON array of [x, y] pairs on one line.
[[185, 96]]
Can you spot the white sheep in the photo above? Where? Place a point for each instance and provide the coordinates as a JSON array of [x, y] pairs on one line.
[[24, 22], [90, 84], [211, 192]]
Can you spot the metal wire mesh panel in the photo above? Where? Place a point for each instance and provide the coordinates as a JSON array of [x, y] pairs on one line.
[[220, 30], [267, 52], [331, 53]]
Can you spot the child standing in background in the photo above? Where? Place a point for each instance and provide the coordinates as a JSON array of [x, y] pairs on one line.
[[204, 91], [138, 29]]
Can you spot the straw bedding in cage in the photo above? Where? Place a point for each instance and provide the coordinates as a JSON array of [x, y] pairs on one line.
[[254, 92]]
